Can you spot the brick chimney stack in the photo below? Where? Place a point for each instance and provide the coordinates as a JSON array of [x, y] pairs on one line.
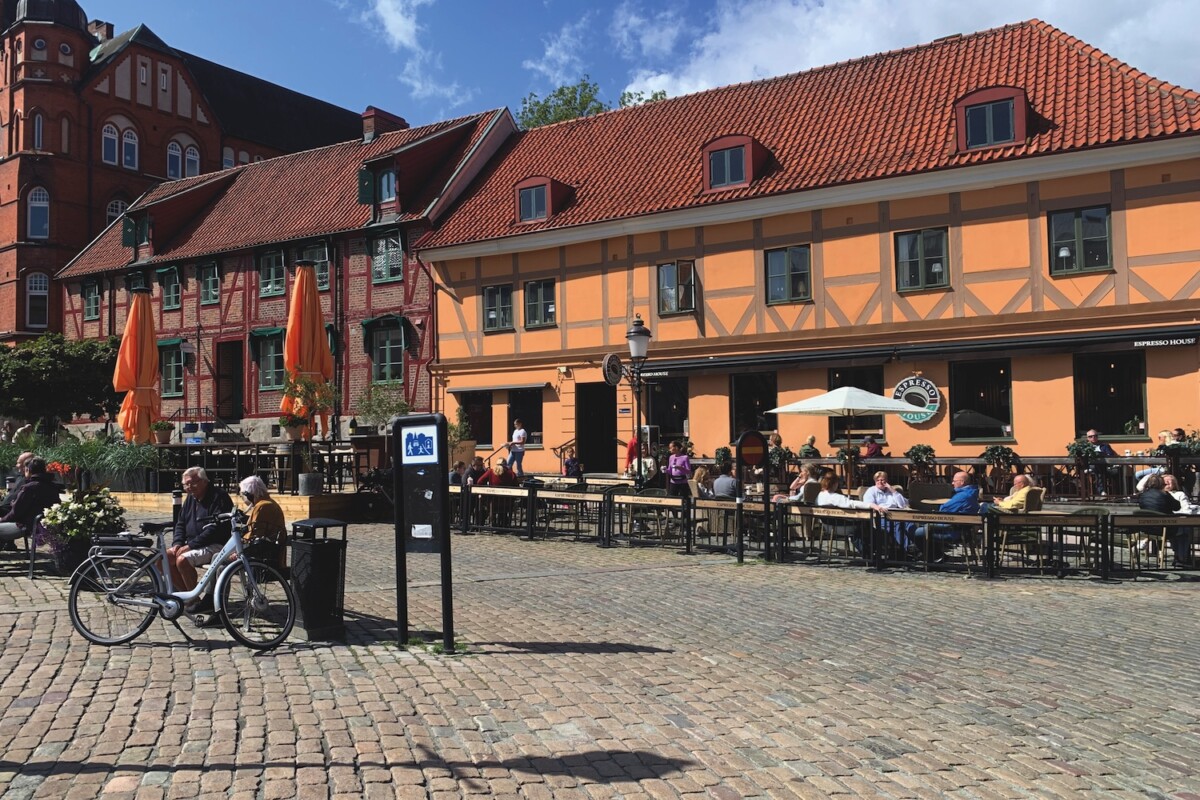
[[377, 121], [100, 29]]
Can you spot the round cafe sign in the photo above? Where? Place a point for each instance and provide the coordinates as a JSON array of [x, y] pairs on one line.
[[922, 394]]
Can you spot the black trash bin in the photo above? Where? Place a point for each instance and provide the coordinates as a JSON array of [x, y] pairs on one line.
[[319, 578]]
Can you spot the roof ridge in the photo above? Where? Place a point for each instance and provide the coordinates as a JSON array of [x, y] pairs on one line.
[[953, 38], [1115, 64]]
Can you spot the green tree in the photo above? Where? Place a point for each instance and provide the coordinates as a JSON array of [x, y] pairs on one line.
[[639, 98], [566, 102], [51, 378]]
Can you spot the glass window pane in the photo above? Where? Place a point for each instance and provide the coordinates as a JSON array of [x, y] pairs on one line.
[[1095, 223], [1002, 121], [977, 126], [737, 165], [908, 247], [1095, 253], [1062, 226], [717, 166], [934, 243]]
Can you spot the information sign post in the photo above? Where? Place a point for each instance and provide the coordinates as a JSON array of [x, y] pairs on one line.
[[422, 492]]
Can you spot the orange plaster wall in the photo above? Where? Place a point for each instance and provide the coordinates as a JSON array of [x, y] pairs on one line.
[[1172, 388], [849, 215], [708, 412], [853, 255], [993, 197], [583, 293], [788, 224], [733, 270], [538, 261], [586, 254], [1043, 402], [732, 232], [1164, 225], [1152, 175], [919, 207], [647, 243], [681, 238], [1095, 183], [996, 244]]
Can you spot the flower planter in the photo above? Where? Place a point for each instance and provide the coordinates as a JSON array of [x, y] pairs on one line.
[[310, 484], [294, 432], [73, 552], [162, 437]]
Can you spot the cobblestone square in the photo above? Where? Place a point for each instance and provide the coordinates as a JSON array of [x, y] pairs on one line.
[[623, 673]]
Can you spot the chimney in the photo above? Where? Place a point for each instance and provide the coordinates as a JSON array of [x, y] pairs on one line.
[[377, 121], [100, 29]]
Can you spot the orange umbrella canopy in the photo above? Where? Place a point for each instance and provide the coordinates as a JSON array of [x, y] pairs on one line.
[[306, 349], [137, 372]]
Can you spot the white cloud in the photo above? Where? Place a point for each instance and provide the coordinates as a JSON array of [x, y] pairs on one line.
[[395, 21], [637, 33], [752, 39], [560, 62]]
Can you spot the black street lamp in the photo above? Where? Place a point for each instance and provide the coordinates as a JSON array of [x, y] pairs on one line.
[[638, 337]]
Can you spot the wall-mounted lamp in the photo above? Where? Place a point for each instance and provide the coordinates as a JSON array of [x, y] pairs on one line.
[[563, 370]]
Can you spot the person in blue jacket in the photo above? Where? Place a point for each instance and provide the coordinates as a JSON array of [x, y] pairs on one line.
[[965, 500]]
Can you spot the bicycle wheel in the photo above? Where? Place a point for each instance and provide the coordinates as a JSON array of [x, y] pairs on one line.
[[261, 617], [106, 599]]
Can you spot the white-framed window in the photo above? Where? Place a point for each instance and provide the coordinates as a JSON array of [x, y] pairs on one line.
[[142, 76], [387, 355], [37, 300], [227, 158], [271, 274], [108, 143], [91, 300], [170, 365], [191, 161], [65, 49], [162, 80], [387, 186], [38, 212], [318, 254], [38, 131], [174, 160], [39, 44], [533, 203], [129, 149], [387, 258], [209, 277], [271, 374], [114, 210], [172, 289]]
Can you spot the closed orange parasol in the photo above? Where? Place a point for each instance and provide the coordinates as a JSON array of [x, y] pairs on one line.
[[137, 371], [306, 350]]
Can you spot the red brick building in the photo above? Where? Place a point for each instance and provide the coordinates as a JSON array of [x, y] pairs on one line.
[[217, 249], [89, 122]]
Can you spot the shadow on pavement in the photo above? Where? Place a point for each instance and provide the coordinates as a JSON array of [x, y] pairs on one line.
[[576, 647]]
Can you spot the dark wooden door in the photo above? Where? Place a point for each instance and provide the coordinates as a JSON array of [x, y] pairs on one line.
[[596, 426], [230, 387]]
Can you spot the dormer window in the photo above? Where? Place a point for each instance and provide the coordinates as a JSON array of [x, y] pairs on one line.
[[387, 186], [991, 117], [990, 123], [539, 197], [733, 161], [533, 203]]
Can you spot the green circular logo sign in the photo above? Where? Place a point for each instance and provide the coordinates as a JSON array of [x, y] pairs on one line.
[[922, 394]]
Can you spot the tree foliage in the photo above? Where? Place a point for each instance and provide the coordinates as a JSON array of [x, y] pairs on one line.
[[571, 101], [54, 378]]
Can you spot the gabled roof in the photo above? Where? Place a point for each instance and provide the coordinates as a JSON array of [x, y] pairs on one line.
[[291, 197], [882, 116], [247, 107]]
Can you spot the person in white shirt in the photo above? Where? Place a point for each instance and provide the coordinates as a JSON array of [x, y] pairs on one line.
[[887, 496], [516, 448], [830, 496]]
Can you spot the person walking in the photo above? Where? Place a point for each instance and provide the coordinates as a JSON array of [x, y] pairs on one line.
[[516, 448]]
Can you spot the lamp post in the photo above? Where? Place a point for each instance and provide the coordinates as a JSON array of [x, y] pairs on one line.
[[638, 337]]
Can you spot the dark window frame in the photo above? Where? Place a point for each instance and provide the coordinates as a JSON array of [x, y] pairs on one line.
[[171, 366], [924, 262], [494, 302], [763, 421], [387, 341], [724, 157], [789, 275], [540, 309], [1124, 390], [990, 134], [1078, 242], [682, 293], [991, 378], [867, 378], [537, 209], [478, 408]]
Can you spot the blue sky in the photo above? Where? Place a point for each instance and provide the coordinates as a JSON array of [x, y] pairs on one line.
[[431, 59]]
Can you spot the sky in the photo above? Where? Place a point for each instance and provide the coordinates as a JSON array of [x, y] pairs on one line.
[[428, 60]]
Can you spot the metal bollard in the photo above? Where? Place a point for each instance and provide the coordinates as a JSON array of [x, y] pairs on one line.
[[176, 505]]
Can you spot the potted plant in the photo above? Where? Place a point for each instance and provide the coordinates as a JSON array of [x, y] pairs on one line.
[[378, 403], [460, 439], [1001, 459], [162, 430], [68, 527], [293, 426], [722, 455], [921, 456]]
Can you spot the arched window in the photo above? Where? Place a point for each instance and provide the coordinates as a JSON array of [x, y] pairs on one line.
[[115, 209], [39, 214], [37, 300], [38, 131], [174, 160], [108, 149], [191, 162], [129, 150]]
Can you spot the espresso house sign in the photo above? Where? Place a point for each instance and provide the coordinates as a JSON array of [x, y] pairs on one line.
[[922, 394]]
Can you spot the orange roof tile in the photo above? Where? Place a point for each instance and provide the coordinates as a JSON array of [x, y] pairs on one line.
[[312, 193], [882, 116]]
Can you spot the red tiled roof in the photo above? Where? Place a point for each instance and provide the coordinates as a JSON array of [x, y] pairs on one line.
[[882, 116], [289, 197]]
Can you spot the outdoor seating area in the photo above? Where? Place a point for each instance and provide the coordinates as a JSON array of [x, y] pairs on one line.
[[1100, 541]]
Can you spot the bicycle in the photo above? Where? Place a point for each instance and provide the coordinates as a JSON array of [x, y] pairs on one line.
[[116, 593]]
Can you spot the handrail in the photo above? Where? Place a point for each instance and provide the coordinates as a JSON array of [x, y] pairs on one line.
[[558, 451]]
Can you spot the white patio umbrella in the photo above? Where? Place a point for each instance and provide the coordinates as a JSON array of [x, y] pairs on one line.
[[847, 401]]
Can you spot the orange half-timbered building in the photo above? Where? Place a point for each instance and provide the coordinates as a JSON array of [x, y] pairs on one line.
[[1009, 218], [217, 252]]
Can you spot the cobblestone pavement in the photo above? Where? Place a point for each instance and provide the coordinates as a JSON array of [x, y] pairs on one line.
[[624, 673]]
